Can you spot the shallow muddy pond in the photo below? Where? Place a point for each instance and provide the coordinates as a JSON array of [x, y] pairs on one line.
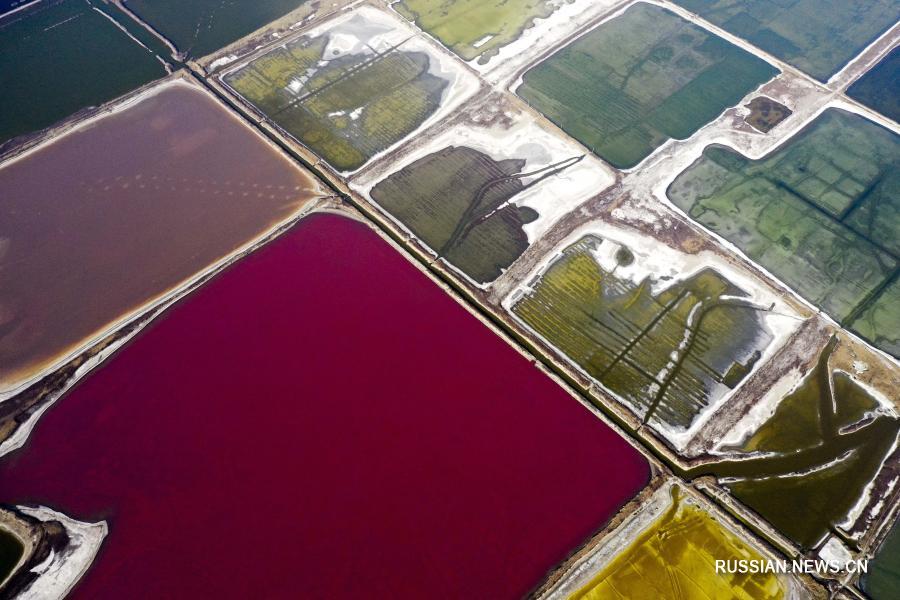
[[115, 214]]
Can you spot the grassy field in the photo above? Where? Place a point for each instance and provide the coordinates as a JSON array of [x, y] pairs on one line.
[[821, 213], [463, 25], [457, 201], [879, 89], [669, 355], [675, 558], [345, 109], [200, 27], [60, 58], [804, 33], [634, 82], [805, 434]]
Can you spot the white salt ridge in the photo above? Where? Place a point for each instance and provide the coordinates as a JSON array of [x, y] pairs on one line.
[[483, 41], [834, 550], [60, 572]]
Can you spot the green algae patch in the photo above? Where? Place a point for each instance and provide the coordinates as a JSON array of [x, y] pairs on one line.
[[457, 201], [879, 89], [667, 354], [61, 57], [475, 28], [675, 557], [810, 461], [634, 82], [821, 213], [348, 92], [883, 579], [200, 27], [11, 550], [801, 32]]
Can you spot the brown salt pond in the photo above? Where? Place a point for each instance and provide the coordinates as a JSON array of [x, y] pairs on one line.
[[114, 215], [320, 420]]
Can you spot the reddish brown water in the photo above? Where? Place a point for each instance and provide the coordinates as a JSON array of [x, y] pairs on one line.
[[322, 421], [113, 215]]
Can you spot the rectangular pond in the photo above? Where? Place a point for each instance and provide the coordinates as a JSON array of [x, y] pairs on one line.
[[322, 419], [800, 32], [879, 88], [634, 82], [668, 333], [480, 192], [821, 213], [96, 224], [61, 57], [812, 459], [200, 27], [352, 87]]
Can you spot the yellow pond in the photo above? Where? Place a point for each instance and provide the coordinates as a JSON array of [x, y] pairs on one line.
[[675, 558]]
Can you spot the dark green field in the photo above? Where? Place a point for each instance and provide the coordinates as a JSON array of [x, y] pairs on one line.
[[199, 27], [61, 58], [634, 82], [452, 201], [670, 355], [815, 36], [821, 213], [879, 89]]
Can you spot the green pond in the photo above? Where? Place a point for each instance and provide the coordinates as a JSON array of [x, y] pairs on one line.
[[879, 88], [200, 27], [814, 36], [348, 107], [456, 200], [475, 28], [640, 79], [807, 464], [821, 212], [668, 354], [882, 582], [62, 57]]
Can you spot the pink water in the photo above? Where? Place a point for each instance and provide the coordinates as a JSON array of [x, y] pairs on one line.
[[322, 421]]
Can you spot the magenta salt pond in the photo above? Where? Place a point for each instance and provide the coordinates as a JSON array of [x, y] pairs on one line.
[[322, 421]]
